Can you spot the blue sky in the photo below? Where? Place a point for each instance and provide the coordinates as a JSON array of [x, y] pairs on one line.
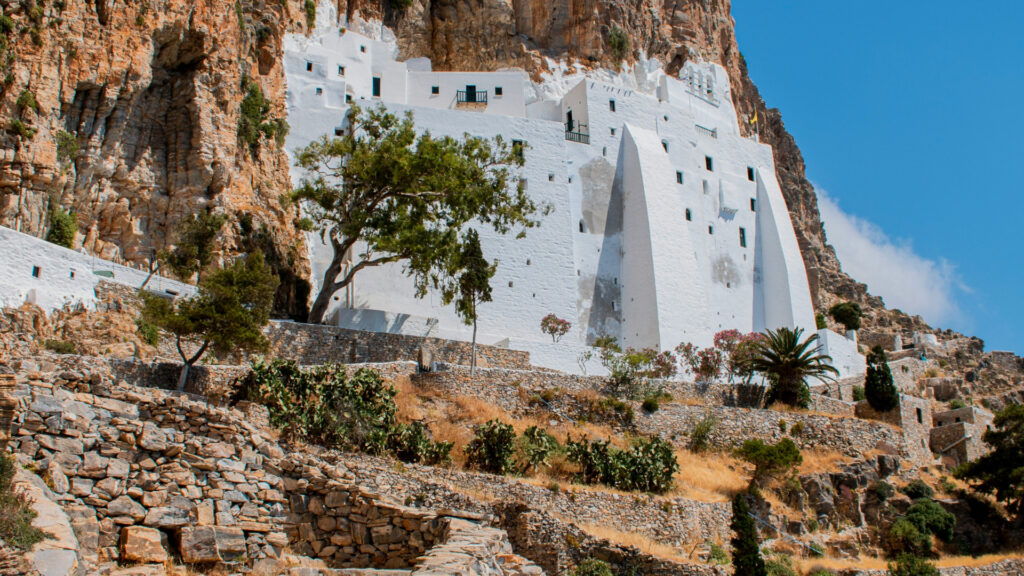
[[910, 117]]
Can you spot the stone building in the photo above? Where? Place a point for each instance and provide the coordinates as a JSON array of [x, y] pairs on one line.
[[957, 434]]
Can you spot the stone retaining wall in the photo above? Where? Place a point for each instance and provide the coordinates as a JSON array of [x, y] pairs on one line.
[[1009, 567]]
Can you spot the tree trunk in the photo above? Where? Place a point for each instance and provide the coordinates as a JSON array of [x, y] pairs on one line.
[[183, 376], [318, 313], [188, 362], [472, 362], [152, 271]]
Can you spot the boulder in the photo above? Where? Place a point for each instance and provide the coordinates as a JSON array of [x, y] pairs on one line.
[[141, 544], [211, 544]]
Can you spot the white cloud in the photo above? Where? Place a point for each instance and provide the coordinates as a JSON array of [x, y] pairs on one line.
[[891, 268]]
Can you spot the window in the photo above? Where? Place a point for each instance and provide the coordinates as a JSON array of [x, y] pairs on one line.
[[309, 66], [753, 205], [72, 275], [435, 90], [551, 177], [583, 226], [664, 144], [711, 229], [679, 177], [709, 163], [339, 131], [376, 86], [743, 237], [689, 215], [612, 131], [348, 98], [35, 271], [341, 70], [498, 91], [920, 418], [604, 151], [611, 105], [319, 91], [517, 148], [362, 48], [750, 173]]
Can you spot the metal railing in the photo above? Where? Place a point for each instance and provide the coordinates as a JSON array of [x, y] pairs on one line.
[[471, 97], [579, 133], [707, 131]]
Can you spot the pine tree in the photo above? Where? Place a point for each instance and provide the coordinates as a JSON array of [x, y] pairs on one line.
[[474, 284], [879, 390], [746, 553]]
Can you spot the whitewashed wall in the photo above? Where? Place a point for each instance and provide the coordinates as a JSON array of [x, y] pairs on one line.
[[845, 356]]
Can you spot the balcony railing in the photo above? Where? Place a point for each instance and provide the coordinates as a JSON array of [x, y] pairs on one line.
[[471, 97], [707, 131], [577, 133]]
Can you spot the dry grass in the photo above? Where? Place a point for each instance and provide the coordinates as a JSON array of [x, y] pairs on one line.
[[638, 541], [709, 477], [816, 461], [874, 563]]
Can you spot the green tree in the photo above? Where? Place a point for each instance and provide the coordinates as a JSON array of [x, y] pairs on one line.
[[492, 447], [592, 567], [1001, 471], [228, 314], [193, 248], [879, 390], [788, 362], [63, 227], [847, 313], [407, 197], [910, 565], [746, 552], [474, 284], [770, 460]]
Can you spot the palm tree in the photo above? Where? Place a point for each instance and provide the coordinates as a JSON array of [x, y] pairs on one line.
[[788, 362]]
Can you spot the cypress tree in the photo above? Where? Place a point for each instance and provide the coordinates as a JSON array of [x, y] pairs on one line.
[[746, 553], [879, 390]]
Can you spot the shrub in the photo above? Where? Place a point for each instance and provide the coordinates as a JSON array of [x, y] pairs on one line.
[[905, 538], [63, 227], [650, 404], [780, 565], [323, 404], [592, 567], [555, 327], [797, 429], [254, 120], [879, 390], [412, 443], [746, 551], [59, 346], [537, 445], [918, 489], [648, 465], [770, 460], [956, 404], [612, 409], [16, 513], [718, 555], [910, 565], [22, 130], [631, 371], [149, 333], [882, 490], [618, 42], [913, 533], [819, 321], [400, 5], [700, 436], [782, 425], [492, 447], [67, 147], [858, 394], [848, 314], [310, 7], [26, 100]]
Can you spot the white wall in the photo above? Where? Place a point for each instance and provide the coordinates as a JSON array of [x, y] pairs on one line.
[[65, 277], [845, 356]]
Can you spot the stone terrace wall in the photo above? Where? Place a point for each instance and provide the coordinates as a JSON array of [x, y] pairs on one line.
[[317, 344], [1010, 567]]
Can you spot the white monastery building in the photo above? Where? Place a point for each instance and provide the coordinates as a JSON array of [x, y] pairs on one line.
[[667, 225]]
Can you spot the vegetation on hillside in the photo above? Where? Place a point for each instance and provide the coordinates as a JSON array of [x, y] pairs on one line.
[[788, 362], [879, 389], [16, 513]]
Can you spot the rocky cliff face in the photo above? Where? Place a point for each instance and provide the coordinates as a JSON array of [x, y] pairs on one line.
[[145, 99]]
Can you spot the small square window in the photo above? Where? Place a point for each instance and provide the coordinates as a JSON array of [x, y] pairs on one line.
[[612, 131], [664, 144], [309, 66], [689, 215], [72, 275], [709, 163], [376, 87], [341, 70], [551, 177], [498, 91], [753, 205], [435, 90], [711, 229], [348, 98], [679, 177], [611, 105], [743, 238], [750, 173], [339, 131], [319, 91], [362, 48], [35, 271]]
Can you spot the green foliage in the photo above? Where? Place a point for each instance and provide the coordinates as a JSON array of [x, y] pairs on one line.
[[254, 120], [910, 565], [858, 394], [592, 567], [618, 43], [323, 404], [228, 314], [780, 565], [412, 443], [879, 390], [63, 227], [555, 327], [407, 196], [770, 460], [59, 346], [27, 100], [819, 321], [632, 372], [929, 516], [609, 409], [492, 447], [6, 24], [797, 429], [917, 489], [474, 282], [821, 572], [882, 490], [787, 362], [67, 147], [16, 513], [847, 313], [913, 532], [746, 551], [23, 130], [149, 333], [700, 436], [718, 555], [956, 404], [310, 7], [647, 466], [536, 445], [193, 247], [650, 404], [400, 5]]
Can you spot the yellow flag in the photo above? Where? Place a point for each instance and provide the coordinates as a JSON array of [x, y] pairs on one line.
[[754, 119]]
